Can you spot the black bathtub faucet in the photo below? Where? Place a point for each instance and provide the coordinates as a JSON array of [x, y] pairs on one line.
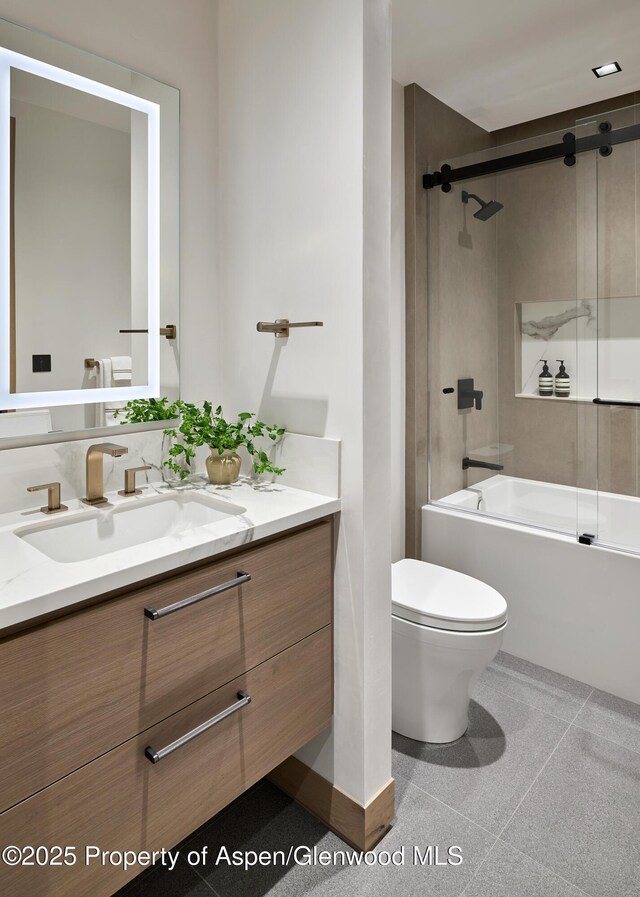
[[486, 465]]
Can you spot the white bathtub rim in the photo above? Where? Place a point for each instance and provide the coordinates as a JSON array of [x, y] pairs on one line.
[[439, 506], [518, 524]]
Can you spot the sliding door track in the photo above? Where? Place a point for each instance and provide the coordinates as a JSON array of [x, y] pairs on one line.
[[568, 149]]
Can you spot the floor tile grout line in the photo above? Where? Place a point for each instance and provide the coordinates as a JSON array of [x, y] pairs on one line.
[[453, 809], [532, 706], [543, 865], [542, 769], [204, 880], [477, 871], [588, 698], [625, 747], [559, 718], [522, 677], [141, 887]]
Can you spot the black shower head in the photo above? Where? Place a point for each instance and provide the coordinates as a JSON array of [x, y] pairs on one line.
[[487, 209]]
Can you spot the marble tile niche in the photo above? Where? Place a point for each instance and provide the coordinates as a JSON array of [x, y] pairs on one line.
[[599, 340]]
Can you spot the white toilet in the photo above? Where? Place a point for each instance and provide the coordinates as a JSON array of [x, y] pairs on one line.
[[447, 627]]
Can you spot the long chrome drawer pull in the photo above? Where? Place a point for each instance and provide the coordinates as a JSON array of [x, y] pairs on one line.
[[154, 614], [156, 756]]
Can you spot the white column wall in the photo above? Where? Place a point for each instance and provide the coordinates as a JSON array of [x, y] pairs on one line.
[[305, 100]]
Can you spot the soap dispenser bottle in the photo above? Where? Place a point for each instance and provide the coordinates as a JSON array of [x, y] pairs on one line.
[[545, 380], [563, 381]]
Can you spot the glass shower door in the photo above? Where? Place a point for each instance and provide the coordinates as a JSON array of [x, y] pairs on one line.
[[502, 298], [609, 343]]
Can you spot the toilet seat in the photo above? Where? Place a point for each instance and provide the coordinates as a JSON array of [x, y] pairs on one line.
[[434, 596]]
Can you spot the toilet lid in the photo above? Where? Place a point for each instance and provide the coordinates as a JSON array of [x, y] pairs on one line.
[[445, 599]]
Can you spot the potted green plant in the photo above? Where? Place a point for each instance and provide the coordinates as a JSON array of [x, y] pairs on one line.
[[202, 425]]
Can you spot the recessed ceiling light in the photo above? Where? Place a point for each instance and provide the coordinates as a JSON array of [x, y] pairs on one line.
[[609, 69]]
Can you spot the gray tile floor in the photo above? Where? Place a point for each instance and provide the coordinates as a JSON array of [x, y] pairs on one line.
[[542, 795]]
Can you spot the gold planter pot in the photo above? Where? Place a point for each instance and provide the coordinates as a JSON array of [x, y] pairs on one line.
[[223, 469]]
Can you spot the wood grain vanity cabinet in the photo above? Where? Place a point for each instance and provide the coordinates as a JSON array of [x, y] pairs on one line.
[[84, 696]]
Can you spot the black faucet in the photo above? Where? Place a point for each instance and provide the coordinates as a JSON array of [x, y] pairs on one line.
[[468, 396], [486, 465]]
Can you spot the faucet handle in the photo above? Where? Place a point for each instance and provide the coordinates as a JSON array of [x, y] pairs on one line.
[[130, 480], [468, 395], [53, 497]]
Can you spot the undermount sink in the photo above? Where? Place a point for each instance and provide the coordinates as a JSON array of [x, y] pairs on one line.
[[101, 532]]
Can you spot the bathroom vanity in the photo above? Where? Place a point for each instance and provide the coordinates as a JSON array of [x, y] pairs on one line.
[[162, 649], [132, 716]]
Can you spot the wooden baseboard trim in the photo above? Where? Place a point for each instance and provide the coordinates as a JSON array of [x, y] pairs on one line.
[[361, 827]]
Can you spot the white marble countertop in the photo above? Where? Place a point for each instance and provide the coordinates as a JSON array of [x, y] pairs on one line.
[[31, 584]]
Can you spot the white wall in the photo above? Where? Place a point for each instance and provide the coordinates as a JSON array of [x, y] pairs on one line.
[[175, 43], [304, 233], [397, 325]]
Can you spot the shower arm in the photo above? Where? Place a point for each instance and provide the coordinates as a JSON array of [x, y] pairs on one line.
[[465, 193]]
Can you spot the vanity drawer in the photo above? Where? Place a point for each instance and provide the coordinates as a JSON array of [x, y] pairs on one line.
[[123, 801], [76, 687]]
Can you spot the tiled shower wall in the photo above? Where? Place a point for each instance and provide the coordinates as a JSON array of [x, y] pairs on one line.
[[538, 232], [467, 292], [478, 275]]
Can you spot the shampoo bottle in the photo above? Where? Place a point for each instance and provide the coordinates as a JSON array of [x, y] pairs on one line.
[[545, 380], [563, 381]]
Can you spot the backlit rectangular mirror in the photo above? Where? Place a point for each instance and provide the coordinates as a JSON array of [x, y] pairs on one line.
[[88, 238]]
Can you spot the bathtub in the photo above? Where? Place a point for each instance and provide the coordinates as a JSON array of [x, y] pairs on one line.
[[573, 608]]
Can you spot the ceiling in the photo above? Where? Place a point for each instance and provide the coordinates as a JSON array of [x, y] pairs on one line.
[[501, 62]]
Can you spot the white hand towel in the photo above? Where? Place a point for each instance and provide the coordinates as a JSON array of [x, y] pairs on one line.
[[111, 372], [110, 419], [106, 371], [103, 379], [121, 368]]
